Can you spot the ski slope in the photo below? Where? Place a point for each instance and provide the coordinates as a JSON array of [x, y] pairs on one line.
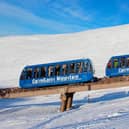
[[105, 109]]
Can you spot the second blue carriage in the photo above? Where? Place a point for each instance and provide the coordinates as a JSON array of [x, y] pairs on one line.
[[58, 73], [118, 66]]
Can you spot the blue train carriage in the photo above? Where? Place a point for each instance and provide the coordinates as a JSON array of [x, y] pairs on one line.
[[118, 66], [59, 73]]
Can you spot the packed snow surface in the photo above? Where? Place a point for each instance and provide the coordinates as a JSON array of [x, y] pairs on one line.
[[105, 109], [91, 110]]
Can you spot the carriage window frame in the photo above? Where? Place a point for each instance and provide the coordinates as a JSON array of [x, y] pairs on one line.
[[80, 68], [113, 63], [127, 61], [58, 68], [31, 76], [90, 67], [72, 70], [52, 72], [41, 72], [23, 75], [66, 72], [36, 74], [85, 66]]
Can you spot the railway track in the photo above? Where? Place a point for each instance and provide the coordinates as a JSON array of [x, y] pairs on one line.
[[66, 91], [102, 83]]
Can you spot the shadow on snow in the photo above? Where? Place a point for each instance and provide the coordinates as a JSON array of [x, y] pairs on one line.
[[104, 98], [20, 104]]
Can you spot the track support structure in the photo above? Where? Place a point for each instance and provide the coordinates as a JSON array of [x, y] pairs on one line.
[[66, 101], [67, 91]]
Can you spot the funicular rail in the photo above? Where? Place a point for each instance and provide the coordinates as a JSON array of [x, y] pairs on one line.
[[66, 91]]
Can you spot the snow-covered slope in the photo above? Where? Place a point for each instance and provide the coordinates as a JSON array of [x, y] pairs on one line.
[[99, 45], [107, 109]]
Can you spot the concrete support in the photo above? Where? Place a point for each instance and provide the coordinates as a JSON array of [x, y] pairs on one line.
[[69, 101], [63, 98], [66, 101]]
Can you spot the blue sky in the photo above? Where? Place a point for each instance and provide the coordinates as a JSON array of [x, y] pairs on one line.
[[23, 17]]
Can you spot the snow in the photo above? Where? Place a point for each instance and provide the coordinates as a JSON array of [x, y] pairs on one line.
[[103, 109]]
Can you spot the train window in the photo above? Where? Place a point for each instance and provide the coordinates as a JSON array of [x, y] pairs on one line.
[[127, 59], [28, 73], [90, 68], [79, 67], [57, 70], [43, 72], [115, 63], [50, 71], [64, 69], [72, 68], [109, 65], [85, 67], [23, 75], [122, 62], [36, 72]]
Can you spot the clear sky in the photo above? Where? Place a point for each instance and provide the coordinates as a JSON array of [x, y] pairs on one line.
[[18, 17]]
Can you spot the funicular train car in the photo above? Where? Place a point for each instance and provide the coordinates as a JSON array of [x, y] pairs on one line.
[[58, 73], [118, 66]]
